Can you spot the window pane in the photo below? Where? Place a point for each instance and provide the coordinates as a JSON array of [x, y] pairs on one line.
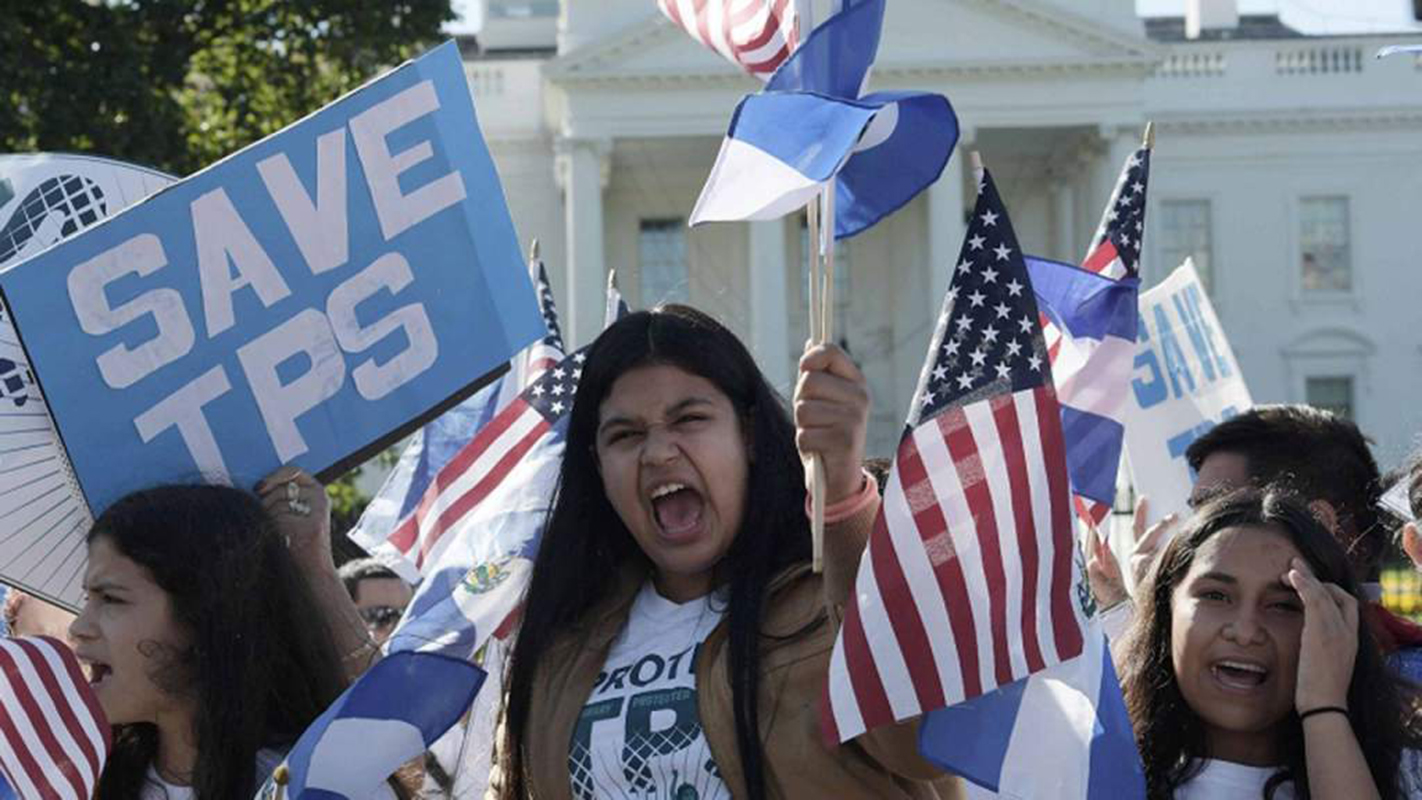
[[1331, 394], [1324, 245], [661, 253], [1185, 233]]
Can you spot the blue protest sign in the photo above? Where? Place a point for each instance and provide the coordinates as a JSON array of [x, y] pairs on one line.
[[294, 303]]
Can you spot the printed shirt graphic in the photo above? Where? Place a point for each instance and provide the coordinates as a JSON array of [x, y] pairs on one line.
[[639, 735]]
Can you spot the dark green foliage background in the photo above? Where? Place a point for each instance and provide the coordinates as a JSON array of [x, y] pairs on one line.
[[178, 85]]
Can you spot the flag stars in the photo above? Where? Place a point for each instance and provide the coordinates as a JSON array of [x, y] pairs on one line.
[[977, 298], [976, 243], [989, 217], [965, 324], [557, 389], [951, 349], [1013, 348], [1035, 362], [1003, 371], [1002, 251], [965, 381], [927, 399], [940, 373], [965, 266], [1002, 310], [978, 357], [1014, 288], [989, 275], [990, 335], [537, 390], [1138, 187], [1025, 324], [557, 407]]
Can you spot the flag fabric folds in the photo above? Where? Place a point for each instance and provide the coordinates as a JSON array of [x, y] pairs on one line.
[[390, 715], [1116, 248], [1062, 733], [968, 582], [1097, 319], [812, 125], [755, 35], [54, 738], [458, 458]]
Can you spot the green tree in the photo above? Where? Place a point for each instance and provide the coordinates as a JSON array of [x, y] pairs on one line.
[[178, 85]]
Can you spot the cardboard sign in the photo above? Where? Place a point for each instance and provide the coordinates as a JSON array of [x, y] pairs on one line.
[[302, 301], [1185, 380]]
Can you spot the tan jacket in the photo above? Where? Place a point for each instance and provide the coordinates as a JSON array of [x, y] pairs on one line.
[[800, 625]]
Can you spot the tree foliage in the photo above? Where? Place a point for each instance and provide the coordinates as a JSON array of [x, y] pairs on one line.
[[178, 85]]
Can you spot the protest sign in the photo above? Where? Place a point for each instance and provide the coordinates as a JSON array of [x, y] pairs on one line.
[[1185, 380], [303, 301]]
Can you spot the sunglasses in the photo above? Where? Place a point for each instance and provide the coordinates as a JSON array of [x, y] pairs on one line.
[[380, 617]]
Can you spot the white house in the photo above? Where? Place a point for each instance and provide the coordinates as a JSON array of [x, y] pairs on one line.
[[1287, 165]]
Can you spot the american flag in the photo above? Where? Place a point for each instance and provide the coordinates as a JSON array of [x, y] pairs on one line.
[[968, 578], [54, 733], [445, 472], [755, 35], [1116, 248], [488, 458]]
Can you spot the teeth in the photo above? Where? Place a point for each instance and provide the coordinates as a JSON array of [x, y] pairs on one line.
[[1240, 665], [666, 489]]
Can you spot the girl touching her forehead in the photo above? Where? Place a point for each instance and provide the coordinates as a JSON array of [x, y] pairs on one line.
[[674, 641], [1246, 672]]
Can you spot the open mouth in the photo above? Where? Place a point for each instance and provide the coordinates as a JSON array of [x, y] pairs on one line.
[[677, 508], [98, 672], [1242, 676]]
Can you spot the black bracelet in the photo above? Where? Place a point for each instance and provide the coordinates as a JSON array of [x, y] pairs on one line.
[[1303, 715]]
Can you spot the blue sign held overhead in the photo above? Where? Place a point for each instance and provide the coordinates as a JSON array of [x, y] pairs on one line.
[[294, 303]]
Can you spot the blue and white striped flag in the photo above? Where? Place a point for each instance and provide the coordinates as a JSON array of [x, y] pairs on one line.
[[1096, 318], [1061, 733], [811, 125]]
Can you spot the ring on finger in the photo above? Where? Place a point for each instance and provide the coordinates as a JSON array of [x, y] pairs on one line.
[[294, 502]]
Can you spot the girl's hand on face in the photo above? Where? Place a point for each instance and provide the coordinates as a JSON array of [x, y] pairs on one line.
[[832, 416], [1329, 642], [298, 504]]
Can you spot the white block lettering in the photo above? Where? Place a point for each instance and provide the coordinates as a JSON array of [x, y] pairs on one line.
[[281, 404], [318, 227], [392, 272], [220, 233], [183, 409]]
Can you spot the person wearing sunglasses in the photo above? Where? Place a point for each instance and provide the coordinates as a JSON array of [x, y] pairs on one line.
[[379, 594]]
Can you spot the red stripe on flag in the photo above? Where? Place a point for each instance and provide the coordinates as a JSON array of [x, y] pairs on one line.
[[1065, 626], [767, 31], [864, 677], [461, 505], [407, 535], [39, 723], [1101, 257], [770, 64], [1009, 430], [953, 584], [973, 478], [893, 587], [66, 713]]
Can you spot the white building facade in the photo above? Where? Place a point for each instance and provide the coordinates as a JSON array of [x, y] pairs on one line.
[[1288, 166]]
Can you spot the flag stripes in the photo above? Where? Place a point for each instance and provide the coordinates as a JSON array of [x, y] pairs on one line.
[[756, 35], [55, 736]]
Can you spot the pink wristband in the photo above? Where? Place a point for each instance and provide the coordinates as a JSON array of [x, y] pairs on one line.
[[849, 506]]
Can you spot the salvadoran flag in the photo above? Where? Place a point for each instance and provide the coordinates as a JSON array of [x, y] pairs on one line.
[[1097, 318], [1061, 733], [811, 125], [391, 714]]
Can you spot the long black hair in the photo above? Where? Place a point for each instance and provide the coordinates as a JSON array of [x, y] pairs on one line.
[[1171, 735], [586, 545], [259, 664]]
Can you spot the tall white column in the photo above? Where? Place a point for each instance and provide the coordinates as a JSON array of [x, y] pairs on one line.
[[582, 172], [1064, 220], [946, 207], [769, 303]]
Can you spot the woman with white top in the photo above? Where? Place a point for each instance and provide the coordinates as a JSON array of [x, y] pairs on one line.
[[1246, 672]]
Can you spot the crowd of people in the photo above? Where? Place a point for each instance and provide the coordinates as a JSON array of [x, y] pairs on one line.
[[675, 641]]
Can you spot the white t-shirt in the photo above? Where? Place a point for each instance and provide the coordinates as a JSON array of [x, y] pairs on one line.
[[155, 788], [1226, 780], [639, 734]]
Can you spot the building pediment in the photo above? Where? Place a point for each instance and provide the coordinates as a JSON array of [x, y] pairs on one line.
[[920, 36]]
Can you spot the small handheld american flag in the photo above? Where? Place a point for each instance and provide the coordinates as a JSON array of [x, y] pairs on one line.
[[967, 581], [54, 734], [1116, 248], [755, 35]]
